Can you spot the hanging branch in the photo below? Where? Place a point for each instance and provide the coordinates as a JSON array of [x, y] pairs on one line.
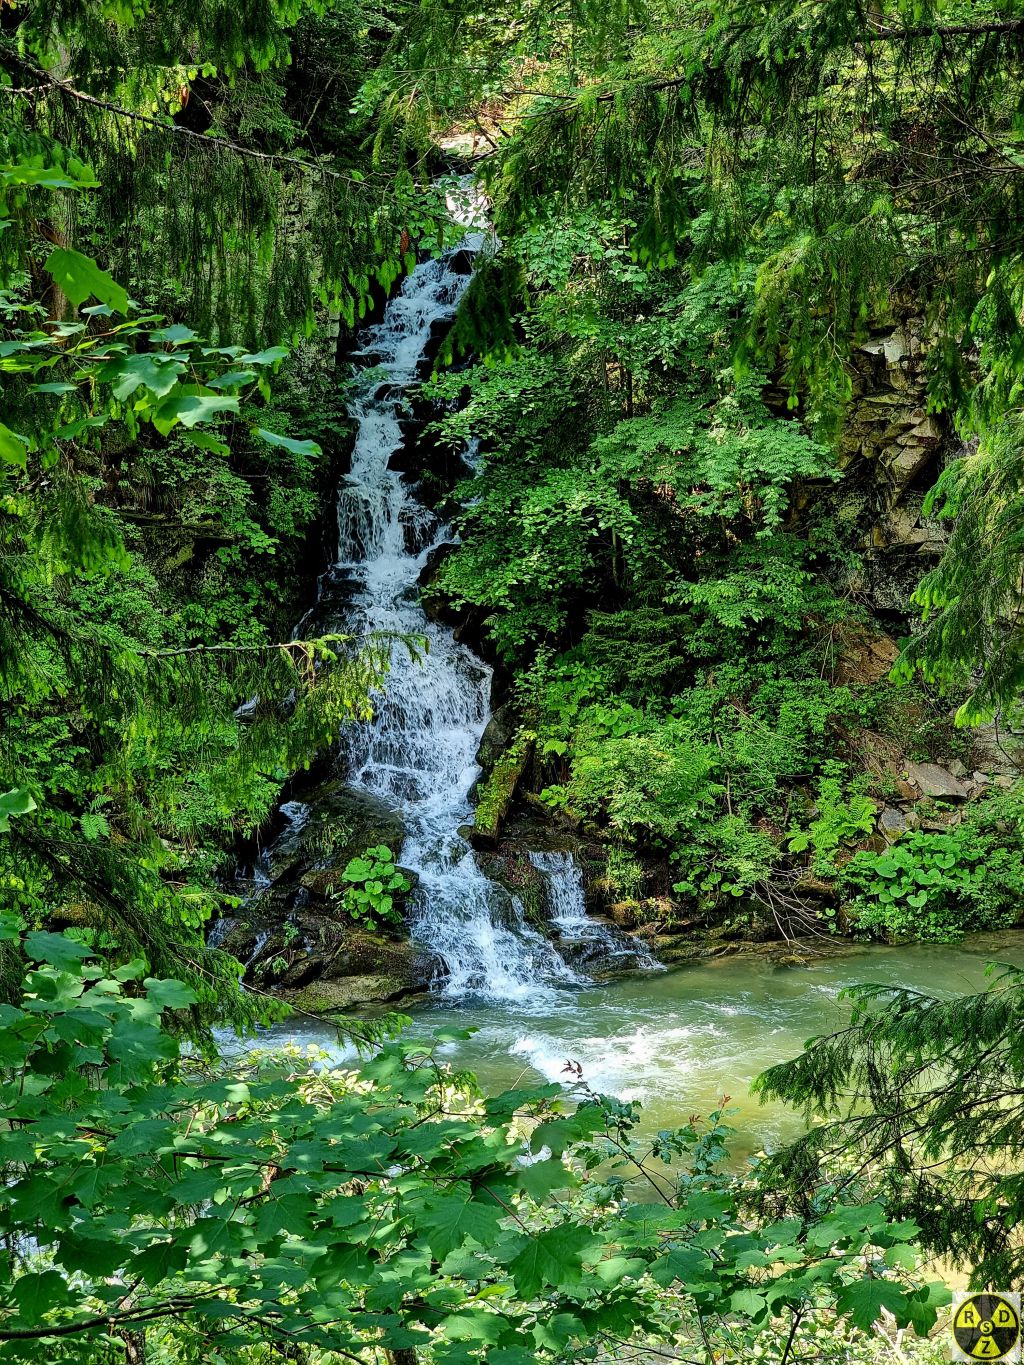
[[49, 86]]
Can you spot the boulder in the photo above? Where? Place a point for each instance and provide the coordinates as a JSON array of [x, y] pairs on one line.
[[892, 823], [342, 993], [497, 736], [936, 782], [498, 792]]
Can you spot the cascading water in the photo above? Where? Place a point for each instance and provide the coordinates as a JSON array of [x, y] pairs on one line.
[[585, 938], [418, 753]]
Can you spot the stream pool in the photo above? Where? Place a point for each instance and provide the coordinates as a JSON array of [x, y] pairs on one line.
[[678, 1040]]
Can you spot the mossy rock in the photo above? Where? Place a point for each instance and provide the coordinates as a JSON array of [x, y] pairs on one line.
[[498, 735], [512, 869], [498, 792], [342, 993]]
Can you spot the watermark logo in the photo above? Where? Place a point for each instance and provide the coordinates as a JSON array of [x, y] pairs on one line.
[[986, 1327]]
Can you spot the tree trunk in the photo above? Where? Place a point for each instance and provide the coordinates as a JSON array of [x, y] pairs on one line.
[[134, 1347]]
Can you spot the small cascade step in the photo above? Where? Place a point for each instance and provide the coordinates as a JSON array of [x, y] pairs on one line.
[[588, 941]]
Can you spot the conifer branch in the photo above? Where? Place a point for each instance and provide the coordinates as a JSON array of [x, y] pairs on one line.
[[948, 30], [49, 85]]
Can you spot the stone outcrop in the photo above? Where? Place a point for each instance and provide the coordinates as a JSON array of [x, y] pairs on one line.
[[496, 794], [936, 782], [291, 933], [891, 451]]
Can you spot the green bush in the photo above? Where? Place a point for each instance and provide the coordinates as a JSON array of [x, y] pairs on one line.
[[941, 884], [374, 885], [841, 815]]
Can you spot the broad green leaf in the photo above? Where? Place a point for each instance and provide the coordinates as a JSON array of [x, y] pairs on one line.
[[448, 1222], [474, 1325], [57, 949], [157, 372], [748, 1302], [13, 448], [205, 441], [901, 1255], [189, 409], [18, 801], [159, 1261], [169, 994], [864, 1300], [176, 335], [36, 1294], [232, 380], [553, 1257], [540, 1178], [80, 278], [286, 442], [273, 355]]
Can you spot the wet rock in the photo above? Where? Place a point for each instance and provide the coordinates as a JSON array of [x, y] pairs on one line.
[[497, 736], [461, 262], [936, 782], [342, 993], [291, 931], [239, 938], [314, 948], [512, 868]]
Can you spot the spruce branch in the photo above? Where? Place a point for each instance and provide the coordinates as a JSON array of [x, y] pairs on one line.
[[49, 85]]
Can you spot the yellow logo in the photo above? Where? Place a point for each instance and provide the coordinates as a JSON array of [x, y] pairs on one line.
[[987, 1327]]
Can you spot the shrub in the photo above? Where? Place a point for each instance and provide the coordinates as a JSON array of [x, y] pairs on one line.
[[374, 884], [941, 884]]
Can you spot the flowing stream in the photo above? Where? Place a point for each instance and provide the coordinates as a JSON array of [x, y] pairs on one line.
[[680, 1040]]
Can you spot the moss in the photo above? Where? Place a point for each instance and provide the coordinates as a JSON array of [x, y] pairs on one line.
[[496, 794], [327, 997]]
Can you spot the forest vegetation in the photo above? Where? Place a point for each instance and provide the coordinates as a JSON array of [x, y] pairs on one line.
[[743, 359]]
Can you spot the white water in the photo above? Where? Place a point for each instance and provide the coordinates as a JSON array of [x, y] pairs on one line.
[[577, 931], [417, 754]]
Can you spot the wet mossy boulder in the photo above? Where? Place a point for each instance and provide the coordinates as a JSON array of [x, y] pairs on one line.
[[498, 735], [356, 967]]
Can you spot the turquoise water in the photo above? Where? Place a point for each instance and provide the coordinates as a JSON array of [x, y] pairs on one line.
[[678, 1041]]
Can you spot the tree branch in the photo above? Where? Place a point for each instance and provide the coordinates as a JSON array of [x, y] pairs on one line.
[[49, 85]]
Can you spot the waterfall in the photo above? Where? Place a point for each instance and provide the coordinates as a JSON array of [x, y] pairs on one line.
[[586, 938], [418, 753]]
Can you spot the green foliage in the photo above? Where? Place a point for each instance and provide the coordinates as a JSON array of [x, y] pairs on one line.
[[279, 210], [647, 779], [841, 816], [935, 884], [971, 601], [374, 884], [918, 1101], [385, 1207], [144, 718]]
